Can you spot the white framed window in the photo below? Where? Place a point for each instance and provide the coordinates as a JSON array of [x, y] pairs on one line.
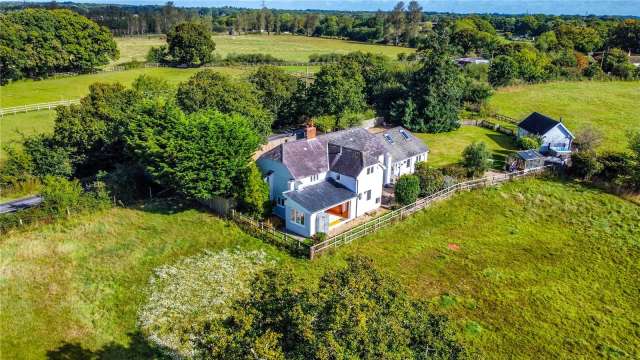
[[337, 176], [409, 162], [360, 196], [297, 217], [377, 200], [315, 177], [368, 193], [280, 201], [370, 170]]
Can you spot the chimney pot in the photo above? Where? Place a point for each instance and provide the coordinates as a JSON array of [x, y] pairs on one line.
[[310, 131]]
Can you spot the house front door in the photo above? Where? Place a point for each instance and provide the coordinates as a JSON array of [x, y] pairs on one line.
[[322, 222]]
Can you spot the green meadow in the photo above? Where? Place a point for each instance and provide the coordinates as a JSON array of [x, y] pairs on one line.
[[609, 106], [285, 47], [545, 269]]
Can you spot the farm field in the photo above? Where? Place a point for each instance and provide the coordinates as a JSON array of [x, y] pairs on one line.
[[610, 106], [286, 47], [446, 148], [12, 126], [545, 269]]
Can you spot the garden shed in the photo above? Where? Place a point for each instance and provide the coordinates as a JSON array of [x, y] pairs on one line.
[[525, 160]]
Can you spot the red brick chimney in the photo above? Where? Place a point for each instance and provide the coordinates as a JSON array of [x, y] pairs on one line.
[[310, 131]]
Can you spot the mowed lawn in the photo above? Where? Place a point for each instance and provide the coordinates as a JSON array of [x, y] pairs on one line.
[[446, 148], [286, 47], [610, 106], [544, 270]]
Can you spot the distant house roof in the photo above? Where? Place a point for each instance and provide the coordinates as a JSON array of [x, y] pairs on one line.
[[320, 196], [401, 143], [538, 124], [472, 60], [529, 155]]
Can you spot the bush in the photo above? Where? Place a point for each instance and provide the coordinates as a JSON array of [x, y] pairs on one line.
[[585, 164], [431, 179], [255, 58], [588, 138], [476, 159], [253, 197], [529, 142], [184, 296], [319, 237], [157, 54], [326, 123], [407, 189]]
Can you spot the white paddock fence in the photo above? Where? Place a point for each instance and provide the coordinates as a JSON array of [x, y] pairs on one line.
[[37, 107], [396, 215]]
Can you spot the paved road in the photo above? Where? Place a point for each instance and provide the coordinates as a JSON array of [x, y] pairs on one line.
[[20, 204]]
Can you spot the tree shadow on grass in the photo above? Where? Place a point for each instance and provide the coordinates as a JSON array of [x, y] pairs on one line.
[[138, 348], [505, 141]]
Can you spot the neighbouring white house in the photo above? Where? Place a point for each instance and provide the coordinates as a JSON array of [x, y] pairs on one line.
[[556, 138], [321, 182]]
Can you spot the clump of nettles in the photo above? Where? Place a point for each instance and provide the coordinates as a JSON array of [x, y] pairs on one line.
[[185, 295]]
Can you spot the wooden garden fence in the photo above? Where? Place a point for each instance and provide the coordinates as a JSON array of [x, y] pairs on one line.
[[37, 107], [401, 213], [294, 244]]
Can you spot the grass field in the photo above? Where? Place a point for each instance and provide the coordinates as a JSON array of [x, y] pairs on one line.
[[13, 126], [610, 106], [446, 148], [545, 270], [286, 47]]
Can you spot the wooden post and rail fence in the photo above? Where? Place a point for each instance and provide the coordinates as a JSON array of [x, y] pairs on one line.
[[303, 247]]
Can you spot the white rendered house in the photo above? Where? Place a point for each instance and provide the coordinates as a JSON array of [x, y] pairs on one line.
[[556, 138], [321, 182]]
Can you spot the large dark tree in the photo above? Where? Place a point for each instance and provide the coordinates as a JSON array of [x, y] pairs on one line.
[[37, 42], [276, 90], [190, 44], [209, 89], [200, 155], [436, 92], [337, 89], [355, 313]]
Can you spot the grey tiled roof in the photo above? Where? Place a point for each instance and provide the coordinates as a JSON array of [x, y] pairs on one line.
[[305, 157], [320, 196], [402, 148]]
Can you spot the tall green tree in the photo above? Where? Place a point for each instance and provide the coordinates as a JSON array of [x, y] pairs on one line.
[[503, 71], [211, 90], [35, 43], [200, 155], [277, 88], [436, 89], [337, 89], [190, 43]]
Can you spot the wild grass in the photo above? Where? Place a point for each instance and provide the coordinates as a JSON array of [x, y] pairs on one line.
[[286, 47], [446, 148], [545, 270], [610, 106]]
